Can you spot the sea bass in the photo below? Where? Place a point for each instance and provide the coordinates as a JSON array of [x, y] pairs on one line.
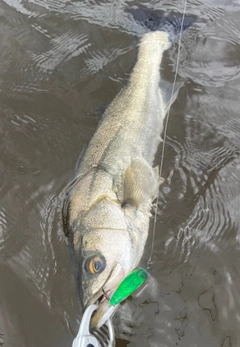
[[107, 209]]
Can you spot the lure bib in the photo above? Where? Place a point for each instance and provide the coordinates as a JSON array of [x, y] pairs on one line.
[[129, 285]]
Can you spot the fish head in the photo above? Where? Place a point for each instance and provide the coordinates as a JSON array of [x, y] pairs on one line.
[[110, 249], [108, 257]]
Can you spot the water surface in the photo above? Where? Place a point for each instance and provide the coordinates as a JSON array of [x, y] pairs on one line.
[[61, 64]]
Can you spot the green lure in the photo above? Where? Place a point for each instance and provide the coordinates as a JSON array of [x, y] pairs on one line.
[[131, 283]]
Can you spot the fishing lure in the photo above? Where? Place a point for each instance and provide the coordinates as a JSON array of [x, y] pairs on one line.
[[129, 285], [85, 338]]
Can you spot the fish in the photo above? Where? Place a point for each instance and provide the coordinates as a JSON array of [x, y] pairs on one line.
[[108, 204]]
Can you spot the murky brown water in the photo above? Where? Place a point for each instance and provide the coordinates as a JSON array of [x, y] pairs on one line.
[[61, 63]]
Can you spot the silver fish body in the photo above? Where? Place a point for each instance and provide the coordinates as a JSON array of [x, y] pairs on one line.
[[108, 207], [130, 130], [109, 204]]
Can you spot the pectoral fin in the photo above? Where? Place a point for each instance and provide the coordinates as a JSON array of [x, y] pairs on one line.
[[141, 183]]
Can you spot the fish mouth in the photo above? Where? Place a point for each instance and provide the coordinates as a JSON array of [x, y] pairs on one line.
[[103, 296]]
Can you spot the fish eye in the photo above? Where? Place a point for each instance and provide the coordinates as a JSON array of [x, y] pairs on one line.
[[95, 264]]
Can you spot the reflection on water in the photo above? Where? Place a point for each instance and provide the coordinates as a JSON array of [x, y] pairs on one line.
[[61, 63]]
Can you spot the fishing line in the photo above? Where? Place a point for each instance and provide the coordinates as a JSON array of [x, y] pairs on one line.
[[149, 262]]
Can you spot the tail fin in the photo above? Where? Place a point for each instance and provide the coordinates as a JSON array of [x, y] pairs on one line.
[[160, 21]]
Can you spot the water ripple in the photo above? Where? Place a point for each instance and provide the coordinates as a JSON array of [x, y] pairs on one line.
[[215, 58], [3, 228], [19, 6], [99, 59], [64, 48]]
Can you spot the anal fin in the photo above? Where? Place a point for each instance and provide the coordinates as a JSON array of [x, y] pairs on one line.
[[169, 92]]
